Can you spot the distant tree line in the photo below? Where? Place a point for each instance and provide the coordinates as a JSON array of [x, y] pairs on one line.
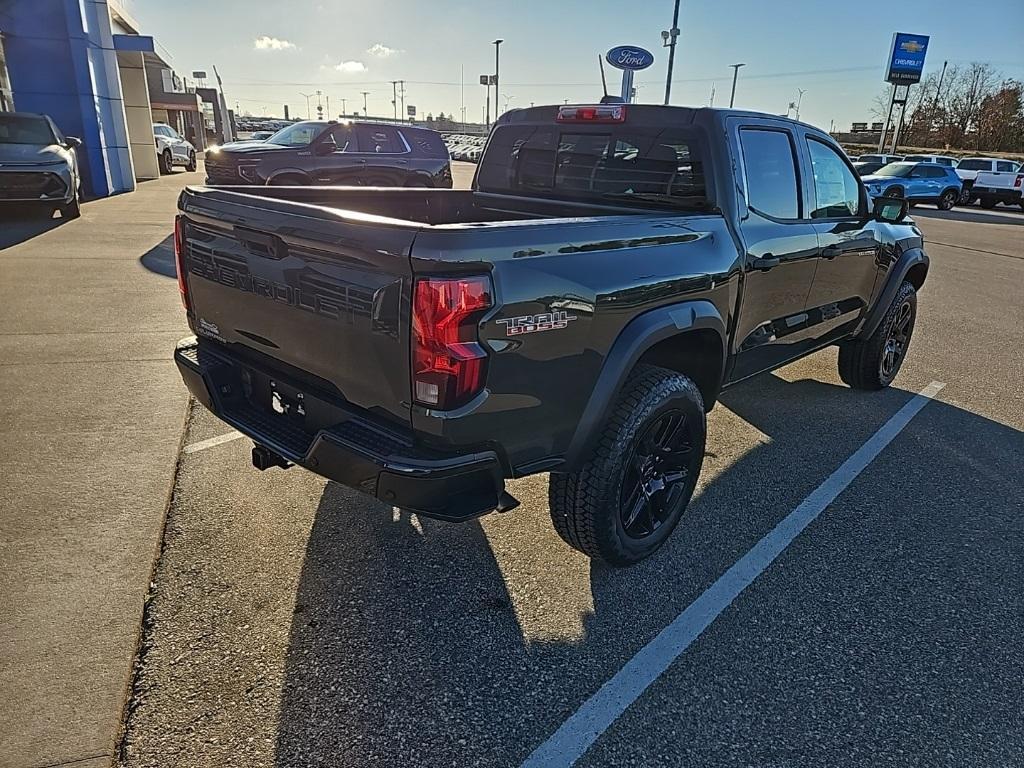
[[976, 108]]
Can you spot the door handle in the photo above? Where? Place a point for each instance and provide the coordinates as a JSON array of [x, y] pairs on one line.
[[831, 251], [766, 262]]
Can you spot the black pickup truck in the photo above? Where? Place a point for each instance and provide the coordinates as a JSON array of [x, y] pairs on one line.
[[577, 312]]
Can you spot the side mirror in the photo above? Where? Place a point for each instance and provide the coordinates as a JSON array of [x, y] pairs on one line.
[[72, 142], [891, 210]]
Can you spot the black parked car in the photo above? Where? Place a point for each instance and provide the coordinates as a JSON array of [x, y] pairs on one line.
[[335, 153]]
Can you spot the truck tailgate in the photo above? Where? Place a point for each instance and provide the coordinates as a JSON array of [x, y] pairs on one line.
[[322, 291]]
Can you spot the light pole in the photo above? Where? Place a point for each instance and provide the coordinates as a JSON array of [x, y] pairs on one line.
[[668, 37], [394, 98], [319, 106], [308, 97], [365, 94], [507, 100], [799, 98], [343, 100], [497, 44], [735, 72]]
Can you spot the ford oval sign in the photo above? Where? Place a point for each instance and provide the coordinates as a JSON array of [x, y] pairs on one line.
[[629, 57]]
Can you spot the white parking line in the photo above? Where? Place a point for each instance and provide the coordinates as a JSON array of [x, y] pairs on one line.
[[583, 728], [204, 444]]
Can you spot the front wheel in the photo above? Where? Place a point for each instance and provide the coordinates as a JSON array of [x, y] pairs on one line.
[[873, 363], [893, 192], [73, 209], [624, 501], [191, 164], [166, 163], [947, 200]]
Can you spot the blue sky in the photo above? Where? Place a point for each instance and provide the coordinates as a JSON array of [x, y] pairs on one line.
[[835, 51]]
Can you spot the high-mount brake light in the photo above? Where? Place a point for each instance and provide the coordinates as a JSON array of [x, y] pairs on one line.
[[603, 113], [449, 364], [179, 258]]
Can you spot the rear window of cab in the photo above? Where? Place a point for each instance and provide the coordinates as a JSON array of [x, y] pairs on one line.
[[613, 164]]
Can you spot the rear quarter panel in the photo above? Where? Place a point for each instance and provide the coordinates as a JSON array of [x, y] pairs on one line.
[[601, 273]]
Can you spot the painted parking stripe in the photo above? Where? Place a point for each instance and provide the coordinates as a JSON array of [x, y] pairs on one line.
[[585, 726], [219, 440]]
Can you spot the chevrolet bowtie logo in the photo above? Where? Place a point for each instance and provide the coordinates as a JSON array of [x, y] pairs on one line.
[[911, 46]]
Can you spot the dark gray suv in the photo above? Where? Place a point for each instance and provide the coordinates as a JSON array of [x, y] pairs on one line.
[[336, 153]]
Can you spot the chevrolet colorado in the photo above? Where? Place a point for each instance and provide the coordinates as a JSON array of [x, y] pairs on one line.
[[577, 312]]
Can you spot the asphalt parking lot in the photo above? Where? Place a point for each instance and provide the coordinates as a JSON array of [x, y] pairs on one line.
[[294, 622]]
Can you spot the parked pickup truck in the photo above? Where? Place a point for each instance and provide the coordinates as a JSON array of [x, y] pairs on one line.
[[577, 312], [994, 187]]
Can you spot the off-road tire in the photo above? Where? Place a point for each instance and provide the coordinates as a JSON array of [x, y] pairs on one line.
[[585, 504], [861, 360]]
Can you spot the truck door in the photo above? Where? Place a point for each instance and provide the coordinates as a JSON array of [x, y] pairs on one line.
[[847, 239], [781, 248], [385, 153]]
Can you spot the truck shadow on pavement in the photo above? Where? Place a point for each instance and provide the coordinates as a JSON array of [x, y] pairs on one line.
[[407, 647]]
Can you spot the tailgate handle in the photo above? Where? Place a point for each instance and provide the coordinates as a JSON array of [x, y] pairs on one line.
[[272, 246]]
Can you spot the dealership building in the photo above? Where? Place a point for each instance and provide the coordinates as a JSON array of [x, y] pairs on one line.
[[86, 64]]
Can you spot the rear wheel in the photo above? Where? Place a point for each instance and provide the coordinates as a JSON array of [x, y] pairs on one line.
[[166, 164], [988, 202], [873, 363], [947, 200], [624, 501]]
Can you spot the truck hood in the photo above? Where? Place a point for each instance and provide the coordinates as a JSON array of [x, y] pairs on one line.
[[32, 154]]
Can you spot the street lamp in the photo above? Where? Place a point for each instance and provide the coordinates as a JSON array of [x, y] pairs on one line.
[[308, 97], [668, 38], [735, 72], [799, 98], [365, 94], [497, 44]]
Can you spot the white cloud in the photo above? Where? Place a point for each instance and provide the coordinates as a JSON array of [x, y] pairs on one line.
[[266, 43], [350, 66], [382, 51]]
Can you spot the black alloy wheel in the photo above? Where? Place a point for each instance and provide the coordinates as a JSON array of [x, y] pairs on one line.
[[897, 341], [657, 477], [893, 192]]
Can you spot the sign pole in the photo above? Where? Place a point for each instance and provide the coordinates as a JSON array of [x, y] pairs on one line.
[[898, 126], [888, 118]]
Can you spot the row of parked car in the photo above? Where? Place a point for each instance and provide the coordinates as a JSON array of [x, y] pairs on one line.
[[943, 180], [464, 147]]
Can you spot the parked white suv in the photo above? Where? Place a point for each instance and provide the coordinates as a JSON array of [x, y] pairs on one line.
[[946, 160], [172, 150]]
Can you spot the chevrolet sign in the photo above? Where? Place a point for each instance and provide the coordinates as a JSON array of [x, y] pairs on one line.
[[906, 58]]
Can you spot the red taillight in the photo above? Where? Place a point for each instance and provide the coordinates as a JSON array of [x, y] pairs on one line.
[[1018, 180], [605, 113], [179, 258], [449, 364]]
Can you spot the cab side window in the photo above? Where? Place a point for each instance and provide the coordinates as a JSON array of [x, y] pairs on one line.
[[770, 166], [836, 189], [1004, 165]]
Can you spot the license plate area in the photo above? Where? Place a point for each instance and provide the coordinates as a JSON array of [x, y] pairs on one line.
[[280, 399]]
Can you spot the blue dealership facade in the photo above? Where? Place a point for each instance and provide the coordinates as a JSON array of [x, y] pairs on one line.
[[84, 63]]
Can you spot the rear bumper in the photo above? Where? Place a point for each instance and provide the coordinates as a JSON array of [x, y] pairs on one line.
[[352, 451], [1001, 194]]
